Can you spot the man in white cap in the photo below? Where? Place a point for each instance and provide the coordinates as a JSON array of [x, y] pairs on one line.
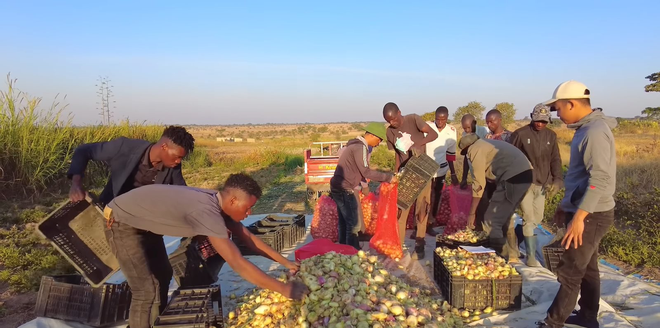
[[587, 208]]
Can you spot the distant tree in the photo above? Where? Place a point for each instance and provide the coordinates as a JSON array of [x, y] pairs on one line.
[[430, 116], [652, 113], [508, 112], [474, 107], [655, 86], [357, 126], [322, 129]]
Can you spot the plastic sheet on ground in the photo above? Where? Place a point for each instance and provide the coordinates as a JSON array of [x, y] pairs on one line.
[[626, 302]]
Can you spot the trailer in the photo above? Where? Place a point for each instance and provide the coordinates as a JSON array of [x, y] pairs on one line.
[[321, 160]]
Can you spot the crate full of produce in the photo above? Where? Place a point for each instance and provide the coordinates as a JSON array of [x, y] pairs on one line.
[[477, 281], [465, 237]]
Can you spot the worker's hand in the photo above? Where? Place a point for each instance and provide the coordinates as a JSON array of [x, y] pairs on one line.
[[574, 233], [395, 179], [296, 290], [559, 220], [553, 189], [470, 221], [417, 150], [454, 180], [292, 266], [464, 184], [77, 192]]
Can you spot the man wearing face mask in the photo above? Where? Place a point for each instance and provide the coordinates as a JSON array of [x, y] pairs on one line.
[[408, 136], [181, 211], [134, 163], [541, 148]]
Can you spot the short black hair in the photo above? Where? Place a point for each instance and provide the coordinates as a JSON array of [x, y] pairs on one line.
[[442, 110], [390, 108], [243, 182], [494, 112], [468, 117], [180, 137]]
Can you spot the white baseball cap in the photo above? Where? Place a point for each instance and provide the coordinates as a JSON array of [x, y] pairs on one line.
[[569, 90]]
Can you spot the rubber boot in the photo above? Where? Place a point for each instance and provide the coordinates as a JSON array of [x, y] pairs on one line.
[[514, 250], [419, 249], [530, 247]]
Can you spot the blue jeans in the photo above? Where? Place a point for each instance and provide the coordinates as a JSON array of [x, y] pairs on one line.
[[347, 209]]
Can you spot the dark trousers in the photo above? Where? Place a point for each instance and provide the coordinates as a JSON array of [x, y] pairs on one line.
[[143, 261], [497, 220], [578, 272], [347, 210], [436, 195]]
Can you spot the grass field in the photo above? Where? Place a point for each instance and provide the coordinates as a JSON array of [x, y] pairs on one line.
[[36, 145]]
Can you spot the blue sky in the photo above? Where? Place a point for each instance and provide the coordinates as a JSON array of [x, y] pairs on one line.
[[277, 61]]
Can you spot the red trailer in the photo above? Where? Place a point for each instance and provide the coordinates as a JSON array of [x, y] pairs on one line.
[[320, 167]]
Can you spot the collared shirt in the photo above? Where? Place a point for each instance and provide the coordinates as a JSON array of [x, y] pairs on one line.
[[146, 172], [443, 148]]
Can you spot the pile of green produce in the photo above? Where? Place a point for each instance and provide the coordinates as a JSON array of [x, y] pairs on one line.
[[346, 291], [467, 236], [460, 262]]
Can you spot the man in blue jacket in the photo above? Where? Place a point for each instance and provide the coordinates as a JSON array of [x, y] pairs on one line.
[[135, 163]]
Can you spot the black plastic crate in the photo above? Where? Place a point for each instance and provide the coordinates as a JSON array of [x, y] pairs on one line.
[[441, 241], [460, 292], [77, 231], [69, 297], [293, 227], [414, 177], [190, 269], [273, 237], [552, 254], [193, 308]]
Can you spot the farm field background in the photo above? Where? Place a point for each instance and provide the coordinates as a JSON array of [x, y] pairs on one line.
[[36, 143]]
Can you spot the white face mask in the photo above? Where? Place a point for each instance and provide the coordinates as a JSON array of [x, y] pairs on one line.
[[404, 142]]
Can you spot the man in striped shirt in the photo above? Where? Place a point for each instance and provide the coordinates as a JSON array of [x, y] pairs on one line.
[[443, 151]]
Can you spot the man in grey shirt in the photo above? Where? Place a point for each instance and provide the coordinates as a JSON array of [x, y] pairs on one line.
[[181, 211]]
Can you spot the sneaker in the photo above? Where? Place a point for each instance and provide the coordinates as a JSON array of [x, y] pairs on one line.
[[578, 321], [419, 251]]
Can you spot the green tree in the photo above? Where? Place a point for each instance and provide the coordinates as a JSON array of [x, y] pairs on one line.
[[655, 86], [430, 116], [652, 113], [508, 112], [474, 107]]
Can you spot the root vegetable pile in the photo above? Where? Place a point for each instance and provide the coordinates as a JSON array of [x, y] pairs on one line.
[[475, 266], [325, 223], [444, 211], [369, 212], [467, 236], [346, 291]]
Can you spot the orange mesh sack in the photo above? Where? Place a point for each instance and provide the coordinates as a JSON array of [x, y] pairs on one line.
[[325, 223], [369, 212], [386, 238]]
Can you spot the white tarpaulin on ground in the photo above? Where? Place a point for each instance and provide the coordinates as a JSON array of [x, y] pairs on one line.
[[626, 301]]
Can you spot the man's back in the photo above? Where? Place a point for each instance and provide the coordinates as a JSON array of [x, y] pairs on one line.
[[170, 210]]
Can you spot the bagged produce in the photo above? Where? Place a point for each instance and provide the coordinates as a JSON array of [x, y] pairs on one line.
[[444, 210], [369, 212], [323, 246], [345, 291], [386, 239], [460, 202], [325, 223]]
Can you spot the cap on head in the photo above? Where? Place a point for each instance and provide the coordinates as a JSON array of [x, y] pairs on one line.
[[569, 90], [467, 141], [376, 129], [541, 112]]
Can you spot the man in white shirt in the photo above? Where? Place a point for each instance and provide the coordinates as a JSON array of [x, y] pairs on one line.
[[443, 151]]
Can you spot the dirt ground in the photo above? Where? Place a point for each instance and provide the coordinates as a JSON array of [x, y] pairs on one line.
[[16, 309]]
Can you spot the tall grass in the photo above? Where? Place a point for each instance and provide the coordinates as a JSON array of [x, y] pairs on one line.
[[36, 144]]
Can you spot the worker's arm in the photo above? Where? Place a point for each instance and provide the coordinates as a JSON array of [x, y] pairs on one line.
[[256, 244], [555, 165], [397, 162], [451, 157], [229, 252], [360, 159], [98, 151], [424, 127]]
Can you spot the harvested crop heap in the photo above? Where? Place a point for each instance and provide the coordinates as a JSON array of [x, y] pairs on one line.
[[346, 291], [475, 266], [467, 236]]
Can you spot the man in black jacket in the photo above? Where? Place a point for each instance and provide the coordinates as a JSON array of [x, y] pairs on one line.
[[135, 163], [540, 146]]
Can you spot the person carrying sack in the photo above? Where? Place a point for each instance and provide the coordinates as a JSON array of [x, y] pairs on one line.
[[345, 185]]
